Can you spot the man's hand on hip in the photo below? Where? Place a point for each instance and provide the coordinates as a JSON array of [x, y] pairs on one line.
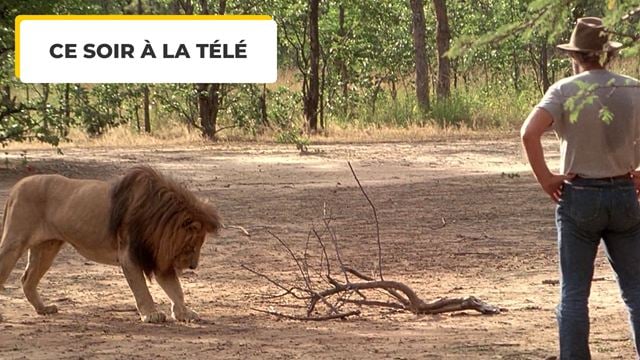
[[553, 185]]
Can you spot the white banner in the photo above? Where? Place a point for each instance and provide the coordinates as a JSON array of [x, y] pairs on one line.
[[146, 49]]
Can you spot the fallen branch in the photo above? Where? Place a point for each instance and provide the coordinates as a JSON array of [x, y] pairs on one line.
[[309, 318], [331, 302]]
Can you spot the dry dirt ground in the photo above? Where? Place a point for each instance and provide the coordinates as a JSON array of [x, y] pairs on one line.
[[498, 244]]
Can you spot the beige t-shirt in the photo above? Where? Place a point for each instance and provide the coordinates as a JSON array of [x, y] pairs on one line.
[[599, 143]]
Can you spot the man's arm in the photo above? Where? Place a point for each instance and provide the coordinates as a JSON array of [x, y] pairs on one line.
[[531, 134]]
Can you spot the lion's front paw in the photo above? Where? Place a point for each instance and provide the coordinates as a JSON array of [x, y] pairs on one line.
[[185, 315], [47, 310], [154, 317]]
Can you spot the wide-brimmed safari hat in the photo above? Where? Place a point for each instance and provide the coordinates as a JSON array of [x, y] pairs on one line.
[[589, 35]]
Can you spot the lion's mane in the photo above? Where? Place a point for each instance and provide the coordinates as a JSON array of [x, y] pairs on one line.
[[150, 214]]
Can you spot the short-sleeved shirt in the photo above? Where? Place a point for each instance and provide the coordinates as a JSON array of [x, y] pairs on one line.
[[604, 139]]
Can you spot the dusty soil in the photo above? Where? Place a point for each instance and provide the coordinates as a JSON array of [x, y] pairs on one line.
[[498, 244]]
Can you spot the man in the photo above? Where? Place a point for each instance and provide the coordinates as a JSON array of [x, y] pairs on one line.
[[596, 190]]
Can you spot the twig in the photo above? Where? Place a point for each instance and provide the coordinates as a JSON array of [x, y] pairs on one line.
[[335, 245], [324, 252], [294, 257], [442, 224], [310, 318], [375, 215], [305, 256], [276, 283], [243, 230]]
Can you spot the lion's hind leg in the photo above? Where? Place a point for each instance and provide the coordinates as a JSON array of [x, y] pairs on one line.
[[10, 252], [40, 259]]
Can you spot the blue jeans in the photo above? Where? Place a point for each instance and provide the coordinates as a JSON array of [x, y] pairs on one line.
[[589, 211]]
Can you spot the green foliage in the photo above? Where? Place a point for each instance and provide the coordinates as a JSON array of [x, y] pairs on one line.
[[178, 101], [293, 136], [605, 115], [103, 106], [282, 107], [454, 111], [246, 108], [502, 51]]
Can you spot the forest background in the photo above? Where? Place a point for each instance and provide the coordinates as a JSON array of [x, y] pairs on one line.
[[343, 66]]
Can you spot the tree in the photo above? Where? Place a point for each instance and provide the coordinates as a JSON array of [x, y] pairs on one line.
[[420, 54], [312, 95], [443, 37]]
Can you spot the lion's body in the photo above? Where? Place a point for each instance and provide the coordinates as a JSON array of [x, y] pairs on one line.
[[144, 222], [53, 207]]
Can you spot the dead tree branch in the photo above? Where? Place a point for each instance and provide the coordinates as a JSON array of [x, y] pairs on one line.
[[336, 300], [309, 318], [375, 215]]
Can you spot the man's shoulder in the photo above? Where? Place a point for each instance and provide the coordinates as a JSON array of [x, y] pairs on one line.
[[628, 80], [607, 78], [565, 84]]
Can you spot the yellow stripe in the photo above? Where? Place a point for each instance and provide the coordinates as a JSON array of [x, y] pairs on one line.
[[21, 18], [142, 17], [16, 59]]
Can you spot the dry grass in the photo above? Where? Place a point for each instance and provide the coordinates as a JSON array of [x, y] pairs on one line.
[[334, 134], [179, 135]]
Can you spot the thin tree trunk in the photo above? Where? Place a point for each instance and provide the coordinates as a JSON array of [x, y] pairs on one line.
[[344, 75], [67, 105], [420, 54], [312, 96], [443, 38], [45, 102], [209, 95], [136, 108], [145, 93], [544, 69], [263, 107], [145, 106]]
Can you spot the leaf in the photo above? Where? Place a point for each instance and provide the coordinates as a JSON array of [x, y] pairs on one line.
[[605, 115]]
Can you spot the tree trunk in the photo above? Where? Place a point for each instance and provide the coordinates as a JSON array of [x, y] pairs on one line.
[[145, 106], [67, 105], [516, 71], [312, 96], [209, 105], [45, 102], [443, 38], [420, 54], [145, 92], [544, 69], [342, 66], [209, 95], [136, 108], [263, 107]]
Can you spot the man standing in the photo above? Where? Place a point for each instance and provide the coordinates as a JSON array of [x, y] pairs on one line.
[[597, 188]]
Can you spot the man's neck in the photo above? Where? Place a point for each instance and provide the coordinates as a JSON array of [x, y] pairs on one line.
[[589, 67]]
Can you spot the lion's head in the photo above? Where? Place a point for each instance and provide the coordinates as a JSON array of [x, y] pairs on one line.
[[162, 224]]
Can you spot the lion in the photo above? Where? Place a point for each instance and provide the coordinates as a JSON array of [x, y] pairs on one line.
[[143, 222]]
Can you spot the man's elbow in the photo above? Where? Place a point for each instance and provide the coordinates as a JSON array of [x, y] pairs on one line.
[[525, 134]]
